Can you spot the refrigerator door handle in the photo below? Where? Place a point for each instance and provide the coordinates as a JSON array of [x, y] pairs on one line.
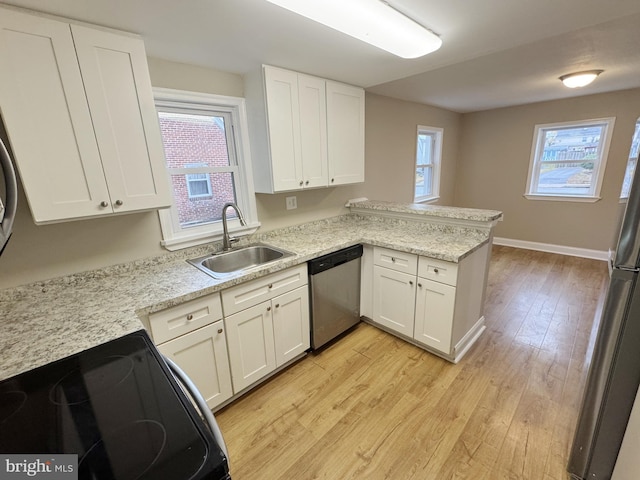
[[628, 247], [11, 192]]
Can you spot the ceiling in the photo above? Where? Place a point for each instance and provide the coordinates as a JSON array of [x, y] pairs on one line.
[[495, 53]]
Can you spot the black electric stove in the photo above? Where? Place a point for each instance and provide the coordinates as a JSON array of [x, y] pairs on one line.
[[116, 406]]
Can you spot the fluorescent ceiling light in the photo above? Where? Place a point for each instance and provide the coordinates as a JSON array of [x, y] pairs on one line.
[[580, 79], [372, 21]]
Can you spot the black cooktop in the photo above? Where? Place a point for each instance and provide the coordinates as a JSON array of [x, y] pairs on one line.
[[118, 408]]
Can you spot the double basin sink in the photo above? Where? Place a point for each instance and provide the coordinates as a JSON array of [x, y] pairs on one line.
[[234, 262]]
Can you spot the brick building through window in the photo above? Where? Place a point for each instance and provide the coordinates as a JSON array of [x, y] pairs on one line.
[[195, 147]]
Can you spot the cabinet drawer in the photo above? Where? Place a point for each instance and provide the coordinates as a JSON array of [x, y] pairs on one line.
[[187, 317], [398, 261], [256, 291], [438, 270]]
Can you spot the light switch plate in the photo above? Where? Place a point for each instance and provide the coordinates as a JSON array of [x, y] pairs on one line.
[[291, 202]]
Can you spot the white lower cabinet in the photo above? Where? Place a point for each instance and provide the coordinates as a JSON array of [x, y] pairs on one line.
[[265, 327], [430, 302], [193, 335], [291, 324], [434, 314], [251, 347], [268, 326], [202, 354], [394, 298]]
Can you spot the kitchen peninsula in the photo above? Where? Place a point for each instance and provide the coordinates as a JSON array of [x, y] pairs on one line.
[[45, 321]]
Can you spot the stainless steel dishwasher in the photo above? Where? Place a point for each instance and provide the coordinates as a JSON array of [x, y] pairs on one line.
[[334, 281]]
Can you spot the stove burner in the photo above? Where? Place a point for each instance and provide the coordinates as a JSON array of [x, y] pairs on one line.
[[10, 403], [91, 380], [98, 462]]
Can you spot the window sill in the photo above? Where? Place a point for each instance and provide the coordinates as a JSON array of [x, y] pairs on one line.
[[187, 241], [561, 198], [427, 200]]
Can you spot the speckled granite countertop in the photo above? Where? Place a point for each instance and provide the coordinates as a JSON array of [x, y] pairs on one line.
[[49, 320], [455, 213]]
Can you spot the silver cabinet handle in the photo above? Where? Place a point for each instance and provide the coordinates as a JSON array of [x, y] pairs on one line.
[[277, 305], [190, 317], [435, 270], [393, 260], [420, 285], [219, 330], [332, 180], [270, 285], [268, 309], [410, 282], [301, 182], [307, 182], [119, 203], [104, 204]]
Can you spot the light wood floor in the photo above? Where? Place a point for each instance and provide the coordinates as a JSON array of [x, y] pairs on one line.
[[374, 407]]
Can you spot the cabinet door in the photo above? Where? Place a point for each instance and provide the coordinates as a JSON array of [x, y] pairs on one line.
[[202, 354], [251, 348], [116, 80], [283, 113], [291, 324], [434, 314], [313, 130], [47, 119], [394, 297], [345, 133]]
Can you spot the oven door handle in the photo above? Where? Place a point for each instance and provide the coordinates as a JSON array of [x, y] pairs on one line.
[[200, 402]]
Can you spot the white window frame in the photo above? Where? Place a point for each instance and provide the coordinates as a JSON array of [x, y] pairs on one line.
[[599, 166], [631, 163], [436, 133], [179, 101]]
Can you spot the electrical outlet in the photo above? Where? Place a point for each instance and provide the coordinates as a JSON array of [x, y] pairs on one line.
[[291, 202]]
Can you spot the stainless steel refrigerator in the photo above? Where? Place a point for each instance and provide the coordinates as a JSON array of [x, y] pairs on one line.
[[614, 374]]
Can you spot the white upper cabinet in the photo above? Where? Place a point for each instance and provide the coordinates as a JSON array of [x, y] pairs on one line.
[[313, 130], [284, 129], [306, 132], [345, 133], [79, 113]]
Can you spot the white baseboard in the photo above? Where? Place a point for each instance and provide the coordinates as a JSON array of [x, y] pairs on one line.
[[550, 248]]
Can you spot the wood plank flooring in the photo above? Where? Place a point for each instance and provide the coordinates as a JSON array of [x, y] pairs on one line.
[[374, 407]]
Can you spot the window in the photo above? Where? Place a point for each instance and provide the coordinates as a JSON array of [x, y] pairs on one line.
[[568, 160], [631, 163], [205, 151], [428, 153], [198, 184]]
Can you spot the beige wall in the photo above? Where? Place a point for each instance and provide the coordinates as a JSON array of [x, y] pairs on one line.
[[494, 161], [391, 147], [193, 78]]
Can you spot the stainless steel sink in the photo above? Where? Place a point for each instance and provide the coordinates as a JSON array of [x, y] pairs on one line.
[[221, 265]]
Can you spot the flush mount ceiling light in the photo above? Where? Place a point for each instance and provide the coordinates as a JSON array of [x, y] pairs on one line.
[[580, 79], [372, 21]]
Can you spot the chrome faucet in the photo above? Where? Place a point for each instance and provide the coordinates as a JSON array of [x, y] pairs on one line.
[[226, 239]]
